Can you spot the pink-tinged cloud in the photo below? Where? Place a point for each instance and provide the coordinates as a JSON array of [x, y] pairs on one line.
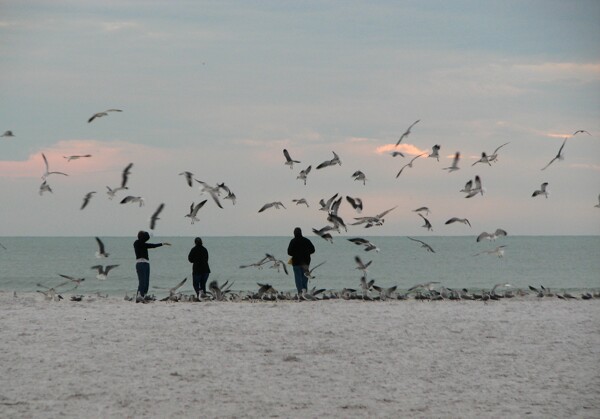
[[105, 156], [409, 149]]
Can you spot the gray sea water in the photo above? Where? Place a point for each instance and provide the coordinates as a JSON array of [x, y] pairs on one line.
[[563, 262]]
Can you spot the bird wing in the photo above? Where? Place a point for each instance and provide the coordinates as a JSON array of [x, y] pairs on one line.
[[287, 155], [100, 245]]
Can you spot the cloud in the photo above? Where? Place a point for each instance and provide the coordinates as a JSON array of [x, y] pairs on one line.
[[106, 156], [403, 148]]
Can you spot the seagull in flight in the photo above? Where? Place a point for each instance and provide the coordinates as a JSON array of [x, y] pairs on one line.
[[101, 252], [454, 165], [103, 271], [458, 220], [358, 175], [332, 162], [7, 134], [492, 236], [76, 281], [472, 191], [154, 217], [396, 153], [484, 159], [580, 131], [133, 199], [326, 205], [301, 201], [542, 191], [194, 211], [422, 209], [86, 199], [48, 172], [407, 132], [356, 203], [324, 233], [429, 286], [309, 272], [69, 158], [303, 174], [288, 160], [101, 114], [364, 242], [498, 251], [212, 191], [189, 176], [44, 187], [427, 224], [124, 179], [435, 152], [494, 156], [376, 220], [276, 204], [423, 245], [559, 155], [361, 265], [598, 204], [409, 164]]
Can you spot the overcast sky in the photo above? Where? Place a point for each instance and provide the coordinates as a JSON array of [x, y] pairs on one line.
[[221, 88]]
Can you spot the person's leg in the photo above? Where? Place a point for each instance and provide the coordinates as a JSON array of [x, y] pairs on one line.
[[304, 278], [196, 283], [145, 267], [203, 281], [140, 275], [298, 278]]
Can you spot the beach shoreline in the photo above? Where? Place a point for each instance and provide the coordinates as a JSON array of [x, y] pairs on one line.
[[114, 358]]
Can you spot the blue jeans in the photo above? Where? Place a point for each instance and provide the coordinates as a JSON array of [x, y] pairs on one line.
[[143, 273], [300, 278], [200, 282]]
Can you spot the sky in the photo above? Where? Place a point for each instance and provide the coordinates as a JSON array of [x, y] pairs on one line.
[[221, 88]]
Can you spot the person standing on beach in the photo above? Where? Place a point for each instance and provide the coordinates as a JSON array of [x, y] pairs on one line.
[[142, 264], [198, 257], [300, 249]]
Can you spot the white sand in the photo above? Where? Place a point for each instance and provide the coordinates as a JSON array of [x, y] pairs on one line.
[[112, 358]]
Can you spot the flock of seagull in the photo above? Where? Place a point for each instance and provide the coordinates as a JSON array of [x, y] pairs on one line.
[[335, 224]]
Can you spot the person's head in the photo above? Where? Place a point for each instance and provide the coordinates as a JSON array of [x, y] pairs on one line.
[[143, 236], [297, 232], [198, 241]]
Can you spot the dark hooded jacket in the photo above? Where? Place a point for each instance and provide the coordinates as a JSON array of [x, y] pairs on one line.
[[198, 257], [300, 249], [141, 245]]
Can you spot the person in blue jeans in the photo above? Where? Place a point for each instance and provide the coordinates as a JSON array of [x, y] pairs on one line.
[[198, 257], [142, 263], [300, 249]]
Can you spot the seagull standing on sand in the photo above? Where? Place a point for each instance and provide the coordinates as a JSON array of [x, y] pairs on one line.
[[407, 132], [559, 155], [288, 160], [48, 172], [101, 114], [542, 191], [86, 199]]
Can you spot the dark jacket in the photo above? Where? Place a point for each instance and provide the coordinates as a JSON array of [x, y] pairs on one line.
[[141, 248], [300, 249], [199, 258]]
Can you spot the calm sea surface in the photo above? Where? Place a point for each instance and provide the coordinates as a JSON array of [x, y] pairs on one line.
[[564, 262]]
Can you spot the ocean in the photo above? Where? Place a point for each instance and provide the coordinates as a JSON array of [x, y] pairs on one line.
[[556, 262]]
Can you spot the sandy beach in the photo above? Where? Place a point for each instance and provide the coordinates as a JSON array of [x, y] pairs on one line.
[[112, 358]]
